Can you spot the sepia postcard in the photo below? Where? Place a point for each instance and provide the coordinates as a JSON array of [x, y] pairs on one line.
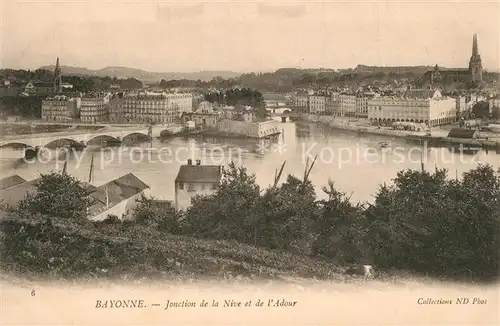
[[249, 162]]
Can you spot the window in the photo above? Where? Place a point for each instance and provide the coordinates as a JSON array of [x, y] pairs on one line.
[[181, 185]]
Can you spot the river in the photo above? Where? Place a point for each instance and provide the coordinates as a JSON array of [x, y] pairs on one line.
[[357, 165]]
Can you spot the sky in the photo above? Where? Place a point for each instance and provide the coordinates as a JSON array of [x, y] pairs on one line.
[[246, 36]]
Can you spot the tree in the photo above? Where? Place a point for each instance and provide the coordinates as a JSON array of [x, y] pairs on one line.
[[287, 215], [340, 228], [157, 214], [229, 213], [58, 195]]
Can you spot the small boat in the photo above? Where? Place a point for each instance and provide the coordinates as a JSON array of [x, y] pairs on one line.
[[384, 144]]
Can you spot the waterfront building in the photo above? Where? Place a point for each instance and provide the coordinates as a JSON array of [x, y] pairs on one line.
[[423, 106], [317, 104], [149, 107], [248, 127], [118, 197], [301, 102], [193, 180], [60, 108], [362, 104], [94, 109], [204, 117], [347, 104]]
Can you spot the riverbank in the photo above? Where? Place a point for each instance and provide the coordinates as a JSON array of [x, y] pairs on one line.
[[439, 139]]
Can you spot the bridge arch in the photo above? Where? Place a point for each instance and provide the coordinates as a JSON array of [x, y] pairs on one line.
[[60, 142], [99, 139], [136, 136], [15, 145]]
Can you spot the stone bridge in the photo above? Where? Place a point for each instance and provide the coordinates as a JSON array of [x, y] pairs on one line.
[[86, 137]]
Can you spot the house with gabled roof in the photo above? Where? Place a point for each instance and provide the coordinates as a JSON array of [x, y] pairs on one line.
[[195, 180], [117, 197], [11, 181], [11, 196]]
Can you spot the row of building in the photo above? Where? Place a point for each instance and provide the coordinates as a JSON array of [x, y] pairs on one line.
[[138, 107], [414, 105]]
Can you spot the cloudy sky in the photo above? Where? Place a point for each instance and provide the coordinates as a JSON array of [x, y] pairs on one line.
[[246, 36]]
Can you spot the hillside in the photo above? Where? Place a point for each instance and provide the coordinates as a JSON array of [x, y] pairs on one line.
[[142, 75], [109, 251]]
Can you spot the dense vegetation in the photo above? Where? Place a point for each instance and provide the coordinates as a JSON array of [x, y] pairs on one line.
[[239, 98], [27, 107], [424, 222]]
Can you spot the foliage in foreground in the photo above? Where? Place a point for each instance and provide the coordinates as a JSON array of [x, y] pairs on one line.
[[423, 222]]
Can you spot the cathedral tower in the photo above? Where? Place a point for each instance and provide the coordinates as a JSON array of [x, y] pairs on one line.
[[475, 66], [57, 78]]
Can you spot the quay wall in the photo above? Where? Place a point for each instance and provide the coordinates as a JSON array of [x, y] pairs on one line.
[[248, 129], [440, 141]]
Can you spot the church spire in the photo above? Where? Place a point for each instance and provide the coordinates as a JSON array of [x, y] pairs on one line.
[[57, 78], [475, 52]]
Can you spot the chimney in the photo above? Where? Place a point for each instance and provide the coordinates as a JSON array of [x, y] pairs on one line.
[[190, 162], [198, 162]]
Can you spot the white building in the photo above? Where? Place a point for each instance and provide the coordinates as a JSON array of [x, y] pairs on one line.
[[93, 109], [150, 107], [423, 106], [195, 180]]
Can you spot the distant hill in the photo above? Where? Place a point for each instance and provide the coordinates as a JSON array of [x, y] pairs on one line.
[[142, 75]]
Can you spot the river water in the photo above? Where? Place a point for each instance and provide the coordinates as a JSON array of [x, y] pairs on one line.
[[357, 165]]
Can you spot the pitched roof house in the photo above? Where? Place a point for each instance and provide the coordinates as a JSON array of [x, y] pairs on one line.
[[11, 196], [193, 180], [11, 181], [117, 197]]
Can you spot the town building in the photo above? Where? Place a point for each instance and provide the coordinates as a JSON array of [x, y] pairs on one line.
[[93, 109], [204, 117], [347, 104], [118, 197], [195, 180], [147, 107], [362, 104], [420, 105], [301, 102], [60, 108], [317, 104]]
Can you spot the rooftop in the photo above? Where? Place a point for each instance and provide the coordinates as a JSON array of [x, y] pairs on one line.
[[14, 194], [116, 191], [199, 173], [11, 181]]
